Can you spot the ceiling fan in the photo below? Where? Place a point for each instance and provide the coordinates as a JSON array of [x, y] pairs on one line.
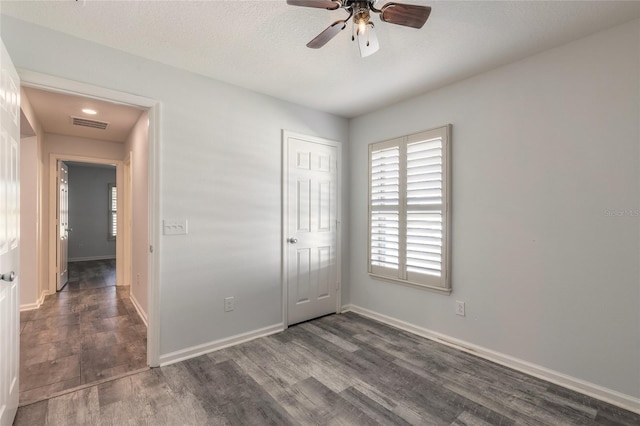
[[395, 13]]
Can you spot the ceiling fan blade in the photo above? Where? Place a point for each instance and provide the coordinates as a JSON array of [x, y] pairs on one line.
[[408, 15], [368, 42], [322, 38], [320, 4]]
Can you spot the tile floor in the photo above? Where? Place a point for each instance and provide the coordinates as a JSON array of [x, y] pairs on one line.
[[85, 333]]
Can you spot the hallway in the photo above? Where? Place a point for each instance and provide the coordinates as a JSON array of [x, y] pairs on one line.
[[88, 332]]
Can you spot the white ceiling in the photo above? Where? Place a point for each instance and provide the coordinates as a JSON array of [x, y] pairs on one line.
[[54, 112], [260, 45]]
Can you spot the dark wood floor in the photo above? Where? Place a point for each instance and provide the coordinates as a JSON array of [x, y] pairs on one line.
[[341, 369], [88, 332]]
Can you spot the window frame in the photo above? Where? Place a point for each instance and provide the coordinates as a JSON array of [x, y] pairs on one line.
[[111, 212], [441, 284]]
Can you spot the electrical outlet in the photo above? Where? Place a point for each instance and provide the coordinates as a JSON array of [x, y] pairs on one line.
[[137, 279], [174, 227], [229, 304], [460, 308]]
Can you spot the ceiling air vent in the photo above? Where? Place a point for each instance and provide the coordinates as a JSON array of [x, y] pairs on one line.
[[94, 124]]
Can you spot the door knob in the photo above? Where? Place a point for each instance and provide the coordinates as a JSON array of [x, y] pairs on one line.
[[8, 277], [292, 240]]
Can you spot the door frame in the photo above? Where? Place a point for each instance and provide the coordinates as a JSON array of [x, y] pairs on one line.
[[61, 85], [126, 220], [54, 240], [286, 134]]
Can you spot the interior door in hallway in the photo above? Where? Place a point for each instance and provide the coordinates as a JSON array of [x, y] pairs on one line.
[[63, 225], [9, 238], [311, 231]]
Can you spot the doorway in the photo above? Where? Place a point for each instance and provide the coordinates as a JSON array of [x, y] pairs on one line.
[[151, 161], [84, 214], [88, 225], [117, 309]]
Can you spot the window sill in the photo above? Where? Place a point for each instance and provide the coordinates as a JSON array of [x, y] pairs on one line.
[[440, 290]]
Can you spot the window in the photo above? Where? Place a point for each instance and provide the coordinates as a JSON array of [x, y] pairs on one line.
[[409, 214], [113, 211]]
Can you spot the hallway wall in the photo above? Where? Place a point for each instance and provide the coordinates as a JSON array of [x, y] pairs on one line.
[[138, 145], [32, 277]]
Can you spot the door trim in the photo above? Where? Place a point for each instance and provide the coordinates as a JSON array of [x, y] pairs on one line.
[[127, 207], [286, 134], [54, 241], [61, 85]]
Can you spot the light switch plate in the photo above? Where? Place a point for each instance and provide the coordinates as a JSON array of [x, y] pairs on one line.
[[174, 227]]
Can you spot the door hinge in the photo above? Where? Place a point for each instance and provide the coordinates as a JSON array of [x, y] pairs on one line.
[[150, 249]]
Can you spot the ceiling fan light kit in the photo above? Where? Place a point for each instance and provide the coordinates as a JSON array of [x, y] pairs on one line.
[[408, 15]]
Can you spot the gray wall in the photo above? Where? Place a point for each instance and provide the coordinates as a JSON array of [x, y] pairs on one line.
[[543, 151], [220, 169], [89, 212]]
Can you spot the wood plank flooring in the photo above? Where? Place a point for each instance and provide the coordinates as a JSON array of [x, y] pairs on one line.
[[87, 332], [341, 369]]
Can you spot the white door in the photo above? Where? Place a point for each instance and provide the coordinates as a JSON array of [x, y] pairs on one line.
[[9, 238], [311, 231], [63, 225]]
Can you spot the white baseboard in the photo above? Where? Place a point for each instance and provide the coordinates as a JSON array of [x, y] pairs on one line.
[[84, 259], [198, 350], [587, 388], [29, 306], [136, 304], [35, 305]]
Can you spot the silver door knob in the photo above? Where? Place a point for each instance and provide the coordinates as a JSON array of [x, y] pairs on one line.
[[292, 240], [8, 277]]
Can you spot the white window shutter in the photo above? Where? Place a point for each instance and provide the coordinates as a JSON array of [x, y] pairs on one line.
[[408, 209], [424, 209], [385, 208], [113, 210]]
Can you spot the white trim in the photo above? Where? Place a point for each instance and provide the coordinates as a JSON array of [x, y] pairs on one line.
[[136, 304], [54, 241], [61, 85], [35, 305], [127, 207], [87, 258], [30, 306], [195, 351], [286, 134], [154, 138], [582, 386]]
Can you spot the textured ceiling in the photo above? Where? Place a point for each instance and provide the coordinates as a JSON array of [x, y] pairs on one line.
[[260, 45], [54, 112]]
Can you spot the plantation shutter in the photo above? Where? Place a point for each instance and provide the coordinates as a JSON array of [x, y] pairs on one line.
[[385, 208], [409, 209], [113, 211], [424, 208]]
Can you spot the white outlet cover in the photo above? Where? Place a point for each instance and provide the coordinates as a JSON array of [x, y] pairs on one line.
[[460, 309]]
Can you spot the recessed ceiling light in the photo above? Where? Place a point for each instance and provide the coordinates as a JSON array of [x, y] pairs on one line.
[[89, 111]]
